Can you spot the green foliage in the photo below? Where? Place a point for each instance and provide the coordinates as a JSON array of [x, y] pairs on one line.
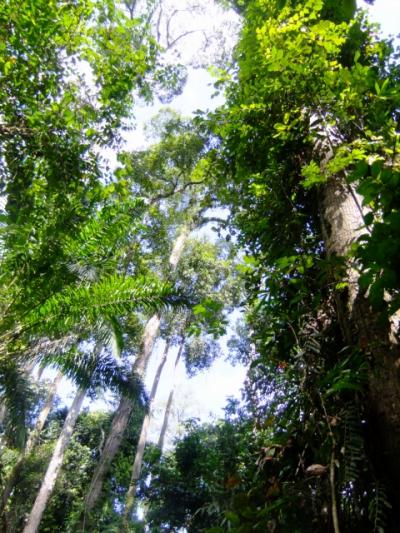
[[378, 507], [205, 275], [115, 295], [19, 396], [65, 507], [59, 102], [193, 477], [73, 266], [313, 100]]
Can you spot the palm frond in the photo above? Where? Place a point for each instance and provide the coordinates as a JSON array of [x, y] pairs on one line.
[[97, 368], [119, 379], [96, 242], [116, 342], [87, 305], [378, 508], [41, 346], [353, 445], [17, 397]]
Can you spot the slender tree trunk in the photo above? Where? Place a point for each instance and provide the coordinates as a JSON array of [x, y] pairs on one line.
[[44, 413], [120, 420], [167, 412], [109, 451], [125, 407], [342, 222], [31, 442], [137, 464], [3, 413], [55, 464]]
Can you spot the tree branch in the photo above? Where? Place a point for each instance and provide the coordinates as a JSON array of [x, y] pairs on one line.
[[175, 191], [207, 220], [171, 44]]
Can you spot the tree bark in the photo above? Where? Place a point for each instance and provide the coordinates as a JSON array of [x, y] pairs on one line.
[[44, 413], [121, 419], [3, 413], [109, 451], [55, 464], [137, 464], [342, 220], [167, 412], [125, 407], [31, 442], [3, 416]]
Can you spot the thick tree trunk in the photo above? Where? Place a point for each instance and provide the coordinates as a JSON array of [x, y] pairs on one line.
[[361, 325], [55, 464], [31, 442], [125, 407], [167, 412], [137, 464]]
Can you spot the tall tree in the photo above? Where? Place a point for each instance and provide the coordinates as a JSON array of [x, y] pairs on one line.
[[308, 152], [125, 407], [165, 175], [97, 251], [137, 463], [168, 406], [202, 274], [63, 509], [56, 113], [55, 464]]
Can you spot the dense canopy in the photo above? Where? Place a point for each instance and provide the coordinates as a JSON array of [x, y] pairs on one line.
[[265, 232]]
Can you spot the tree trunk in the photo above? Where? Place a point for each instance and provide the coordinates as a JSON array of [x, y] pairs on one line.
[[55, 464], [137, 464], [3, 416], [3, 413], [44, 413], [125, 407], [161, 438], [121, 419], [31, 443], [342, 221], [109, 451]]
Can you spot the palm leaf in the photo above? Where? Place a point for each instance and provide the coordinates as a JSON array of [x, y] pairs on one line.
[[94, 247], [86, 306], [17, 397], [96, 369]]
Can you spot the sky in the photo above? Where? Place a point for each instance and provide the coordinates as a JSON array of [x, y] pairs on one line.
[[204, 396], [387, 13]]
